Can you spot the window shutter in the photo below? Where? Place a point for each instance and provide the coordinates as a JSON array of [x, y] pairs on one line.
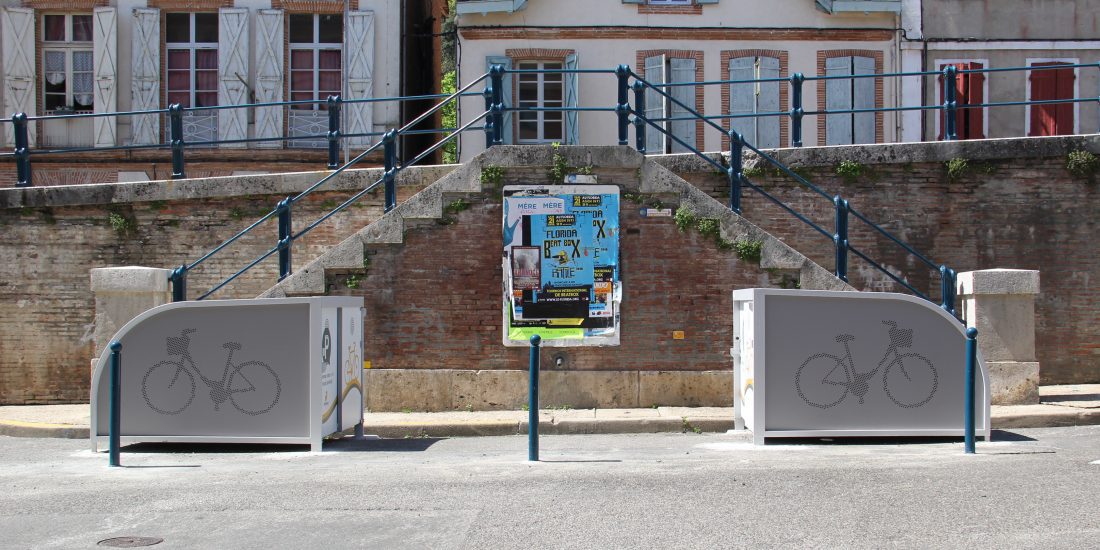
[[706, 1], [975, 95], [104, 65], [863, 97], [1043, 87], [505, 93], [17, 29], [838, 96], [572, 128], [767, 128], [683, 70], [1064, 79], [269, 75], [232, 74], [743, 97], [145, 76], [655, 105], [359, 52], [634, 1]]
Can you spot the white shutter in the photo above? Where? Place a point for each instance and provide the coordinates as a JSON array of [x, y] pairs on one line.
[[359, 52], [767, 101], [683, 70], [232, 74], [145, 80], [17, 29], [105, 65], [655, 105], [743, 97], [863, 97], [838, 96], [269, 75]]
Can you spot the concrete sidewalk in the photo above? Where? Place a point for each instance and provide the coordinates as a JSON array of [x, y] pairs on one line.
[[1075, 405]]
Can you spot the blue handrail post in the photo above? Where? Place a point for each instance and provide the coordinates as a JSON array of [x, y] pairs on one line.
[[496, 75], [175, 120], [623, 106], [639, 113], [333, 132], [488, 93], [22, 150], [947, 289], [285, 238], [179, 283], [840, 238], [950, 103], [971, 367], [735, 171], [533, 402], [796, 109], [389, 149], [115, 429]]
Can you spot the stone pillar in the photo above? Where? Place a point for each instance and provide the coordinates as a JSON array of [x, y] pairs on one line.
[[122, 293], [1000, 303]]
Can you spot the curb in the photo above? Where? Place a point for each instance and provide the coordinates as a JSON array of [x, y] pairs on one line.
[[16, 428], [1057, 418]]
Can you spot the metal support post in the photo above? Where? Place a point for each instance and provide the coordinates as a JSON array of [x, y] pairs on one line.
[[22, 150], [796, 109], [389, 178], [950, 103], [840, 238], [496, 75], [179, 283], [533, 402], [735, 171], [639, 113], [488, 93], [285, 237], [622, 108], [334, 132], [971, 366], [947, 289], [175, 120], [115, 428]]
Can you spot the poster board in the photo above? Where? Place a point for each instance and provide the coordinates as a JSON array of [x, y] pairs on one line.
[[561, 265]]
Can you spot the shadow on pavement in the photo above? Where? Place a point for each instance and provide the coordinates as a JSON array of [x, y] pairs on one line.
[[366, 445]]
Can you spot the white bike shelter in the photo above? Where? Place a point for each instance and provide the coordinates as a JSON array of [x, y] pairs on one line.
[[813, 363], [286, 370]]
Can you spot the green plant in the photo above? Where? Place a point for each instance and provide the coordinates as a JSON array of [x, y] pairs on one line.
[[492, 175], [236, 213], [406, 410], [684, 218], [956, 168], [558, 167], [120, 222], [525, 407], [686, 426], [352, 281], [329, 204], [449, 115], [709, 227], [850, 170], [457, 206], [749, 251], [585, 170], [1082, 164], [752, 171]]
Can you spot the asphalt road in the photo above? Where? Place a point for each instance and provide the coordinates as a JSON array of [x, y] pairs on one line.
[[1025, 489]]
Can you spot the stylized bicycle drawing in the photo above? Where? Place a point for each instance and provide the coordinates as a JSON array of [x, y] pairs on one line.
[[169, 386], [909, 379]]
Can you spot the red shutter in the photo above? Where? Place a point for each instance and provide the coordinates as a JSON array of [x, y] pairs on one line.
[[975, 95], [1055, 118], [1064, 111], [968, 91]]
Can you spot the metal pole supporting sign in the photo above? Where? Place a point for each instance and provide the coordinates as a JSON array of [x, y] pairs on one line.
[[533, 403]]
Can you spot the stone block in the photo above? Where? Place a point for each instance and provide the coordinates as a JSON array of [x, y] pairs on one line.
[[589, 389], [998, 281], [486, 390], [1013, 383], [685, 389], [122, 293], [408, 389], [1000, 303]]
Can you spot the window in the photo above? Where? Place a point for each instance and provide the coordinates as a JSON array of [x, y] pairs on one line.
[[1054, 119], [191, 41], [540, 90], [316, 45], [750, 98], [969, 90], [668, 114], [846, 94], [670, 2], [67, 63]]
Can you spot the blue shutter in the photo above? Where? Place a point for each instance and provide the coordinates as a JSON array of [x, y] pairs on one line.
[[572, 128], [506, 92], [706, 1], [863, 97], [683, 70], [743, 97], [767, 101], [655, 105], [838, 97]]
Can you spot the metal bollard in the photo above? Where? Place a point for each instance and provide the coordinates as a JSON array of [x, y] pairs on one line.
[[971, 366], [533, 403], [22, 150], [114, 433]]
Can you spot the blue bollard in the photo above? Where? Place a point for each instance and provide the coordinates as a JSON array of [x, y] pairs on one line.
[[114, 433], [971, 366], [533, 403]]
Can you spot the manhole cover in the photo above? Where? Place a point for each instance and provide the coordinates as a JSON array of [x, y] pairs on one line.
[[130, 542]]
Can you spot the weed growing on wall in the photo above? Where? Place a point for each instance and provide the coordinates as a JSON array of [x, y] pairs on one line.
[[749, 250], [122, 223], [1082, 164], [558, 167], [492, 175], [956, 168], [850, 170]]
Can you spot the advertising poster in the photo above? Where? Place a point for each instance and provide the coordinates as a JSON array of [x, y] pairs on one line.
[[351, 360], [561, 264], [329, 364]]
